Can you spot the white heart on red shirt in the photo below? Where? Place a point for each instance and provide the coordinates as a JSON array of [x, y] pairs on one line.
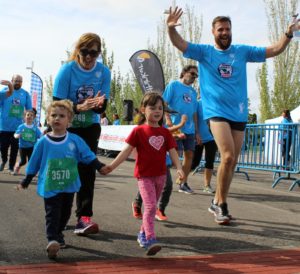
[[156, 141]]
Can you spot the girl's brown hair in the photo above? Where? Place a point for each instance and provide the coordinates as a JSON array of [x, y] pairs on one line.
[[150, 99]]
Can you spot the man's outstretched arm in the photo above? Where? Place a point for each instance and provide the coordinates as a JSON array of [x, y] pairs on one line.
[[282, 43], [172, 22]]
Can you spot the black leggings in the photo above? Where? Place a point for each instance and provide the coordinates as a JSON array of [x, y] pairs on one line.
[[7, 140], [286, 147], [87, 173], [25, 154], [210, 153]]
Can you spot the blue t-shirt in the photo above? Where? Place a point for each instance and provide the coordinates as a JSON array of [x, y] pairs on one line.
[[204, 131], [183, 99], [223, 78], [29, 134], [2, 95], [286, 130], [116, 122], [56, 163], [74, 83], [12, 109]]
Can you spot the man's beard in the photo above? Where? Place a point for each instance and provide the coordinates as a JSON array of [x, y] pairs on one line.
[[17, 86], [221, 44]]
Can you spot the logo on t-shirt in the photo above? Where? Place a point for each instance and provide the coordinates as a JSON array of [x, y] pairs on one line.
[[187, 98], [225, 70], [156, 141], [16, 102], [84, 92]]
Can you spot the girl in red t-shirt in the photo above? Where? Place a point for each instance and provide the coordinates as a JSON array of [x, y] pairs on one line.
[[152, 142]]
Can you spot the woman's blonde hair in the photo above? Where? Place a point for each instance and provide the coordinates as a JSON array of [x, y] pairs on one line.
[[66, 104], [86, 40]]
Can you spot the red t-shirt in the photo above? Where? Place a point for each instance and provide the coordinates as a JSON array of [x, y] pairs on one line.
[[152, 144]]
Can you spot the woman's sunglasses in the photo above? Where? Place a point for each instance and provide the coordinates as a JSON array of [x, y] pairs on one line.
[[86, 52]]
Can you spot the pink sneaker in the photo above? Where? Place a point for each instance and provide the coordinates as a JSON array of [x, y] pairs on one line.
[[85, 226]]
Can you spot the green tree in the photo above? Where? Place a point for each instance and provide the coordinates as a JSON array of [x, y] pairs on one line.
[[265, 106], [286, 66]]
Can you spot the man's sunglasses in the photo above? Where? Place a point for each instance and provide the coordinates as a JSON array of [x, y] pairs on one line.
[[86, 52], [194, 74]]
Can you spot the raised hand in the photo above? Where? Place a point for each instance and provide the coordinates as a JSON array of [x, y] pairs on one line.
[[174, 15], [10, 87]]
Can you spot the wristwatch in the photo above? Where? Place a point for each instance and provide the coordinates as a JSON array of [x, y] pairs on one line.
[[290, 36]]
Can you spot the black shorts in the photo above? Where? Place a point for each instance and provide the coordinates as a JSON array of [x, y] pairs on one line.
[[240, 126]]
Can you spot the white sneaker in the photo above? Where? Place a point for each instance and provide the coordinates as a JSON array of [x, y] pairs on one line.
[[208, 189], [52, 249]]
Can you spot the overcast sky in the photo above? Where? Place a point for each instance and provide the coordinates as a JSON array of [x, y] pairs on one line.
[[41, 31]]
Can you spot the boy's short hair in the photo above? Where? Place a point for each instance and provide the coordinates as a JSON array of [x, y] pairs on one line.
[[66, 104], [30, 110], [34, 111]]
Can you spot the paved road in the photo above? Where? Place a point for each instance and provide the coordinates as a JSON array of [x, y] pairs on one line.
[[266, 219]]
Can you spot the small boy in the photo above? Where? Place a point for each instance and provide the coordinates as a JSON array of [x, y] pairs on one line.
[[55, 157], [28, 134]]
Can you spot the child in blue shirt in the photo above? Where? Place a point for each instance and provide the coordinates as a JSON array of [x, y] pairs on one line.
[[55, 158], [28, 134]]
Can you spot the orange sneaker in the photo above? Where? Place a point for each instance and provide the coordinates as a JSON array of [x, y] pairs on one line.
[[136, 211], [160, 216]]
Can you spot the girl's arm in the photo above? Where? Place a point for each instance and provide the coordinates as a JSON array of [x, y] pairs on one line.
[[123, 155], [176, 162]]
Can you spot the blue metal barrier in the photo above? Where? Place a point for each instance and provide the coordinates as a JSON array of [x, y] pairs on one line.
[[274, 148]]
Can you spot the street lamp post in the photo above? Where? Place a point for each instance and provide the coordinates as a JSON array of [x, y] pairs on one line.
[[31, 68]]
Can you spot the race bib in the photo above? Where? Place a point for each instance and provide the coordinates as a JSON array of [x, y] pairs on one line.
[[61, 174], [28, 135], [16, 111], [83, 119]]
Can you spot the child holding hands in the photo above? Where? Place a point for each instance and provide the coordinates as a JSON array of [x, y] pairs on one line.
[[55, 158], [152, 142]]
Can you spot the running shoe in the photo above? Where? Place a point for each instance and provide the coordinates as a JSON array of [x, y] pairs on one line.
[[85, 226], [184, 188], [141, 239], [160, 215], [52, 249], [137, 211], [152, 247], [208, 189]]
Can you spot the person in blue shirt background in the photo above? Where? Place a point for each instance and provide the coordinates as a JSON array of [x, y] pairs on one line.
[[116, 120], [86, 82], [181, 97], [11, 116], [286, 137], [223, 86], [28, 133]]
